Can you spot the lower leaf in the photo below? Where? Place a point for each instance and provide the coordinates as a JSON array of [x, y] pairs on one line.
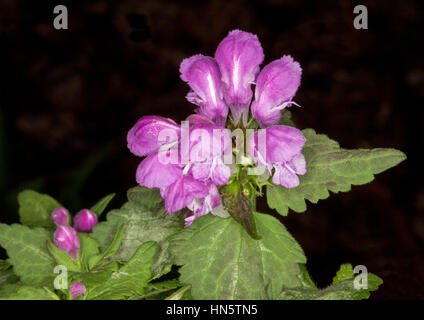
[[221, 261]]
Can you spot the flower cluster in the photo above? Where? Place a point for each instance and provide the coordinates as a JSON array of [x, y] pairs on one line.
[[219, 85], [65, 236]]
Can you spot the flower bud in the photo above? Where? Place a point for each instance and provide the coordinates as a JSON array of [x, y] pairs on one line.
[[60, 216], [85, 220], [77, 289], [67, 240]]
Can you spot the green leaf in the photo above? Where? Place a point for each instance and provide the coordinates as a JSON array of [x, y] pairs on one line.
[[31, 293], [345, 272], [28, 253], [130, 279], [111, 250], [330, 168], [143, 219], [96, 277], [179, 294], [343, 288], [158, 290], [305, 278], [62, 257], [221, 261], [89, 248], [4, 265], [9, 289], [100, 206], [35, 208], [7, 277]]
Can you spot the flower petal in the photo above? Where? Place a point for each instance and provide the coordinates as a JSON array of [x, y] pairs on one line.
[[202, 206], [195, 119], [182, 192], [145, 136], [298, 164], [239, 55], [276, 84], [151, 173], [203, 76], [285, 177], [208, 141], [220, 172], [283, 143]]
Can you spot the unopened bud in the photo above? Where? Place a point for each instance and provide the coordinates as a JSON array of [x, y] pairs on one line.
[[77, 289], [85, 220], [67, 240], [60, 216]]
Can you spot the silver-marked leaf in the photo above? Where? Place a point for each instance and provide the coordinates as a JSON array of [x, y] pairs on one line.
[[131, 279], [63, 258], [330, 168], [143, 219], [35, 208], [221, 261], [31, 293], [343, 288], [28, 253]]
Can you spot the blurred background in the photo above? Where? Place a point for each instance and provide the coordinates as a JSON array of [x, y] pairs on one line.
[[68, 98]]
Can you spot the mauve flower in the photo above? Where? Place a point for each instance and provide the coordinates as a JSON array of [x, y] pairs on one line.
[[239, 55], [60, 216], [283, 152], [276, 85], [144, 137], [152, 173], [77, 289], [66, 239], [208, 145], [85, 220], [182, 193], [195, 119], [202, 206], [204, 78]]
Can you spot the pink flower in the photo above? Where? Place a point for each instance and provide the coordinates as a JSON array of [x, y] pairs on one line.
[[283, 153], [66, 239], [77, 289], [276, 85], [152, 173], [85, 220], [202, 206], [60, 216], [183, 192], [239, 55], [144, 137], [203, 76]]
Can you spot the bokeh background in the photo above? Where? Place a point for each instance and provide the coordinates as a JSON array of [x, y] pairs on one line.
[[68, 98]]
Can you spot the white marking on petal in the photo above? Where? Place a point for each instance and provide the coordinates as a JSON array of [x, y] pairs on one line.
[[212, 88], [236, 74], [288, 168], [186, 168], [283, 105]]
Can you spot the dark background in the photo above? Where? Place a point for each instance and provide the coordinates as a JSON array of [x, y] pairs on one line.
[[68, 98]]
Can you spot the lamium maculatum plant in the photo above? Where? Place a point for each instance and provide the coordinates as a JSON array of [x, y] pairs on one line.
[[195, 204]]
